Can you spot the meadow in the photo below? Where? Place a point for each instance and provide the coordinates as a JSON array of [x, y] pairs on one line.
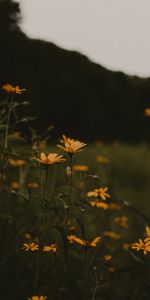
[[74, 217]]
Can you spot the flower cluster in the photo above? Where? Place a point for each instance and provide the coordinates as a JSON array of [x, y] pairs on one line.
[[35, 247], [144, 244]]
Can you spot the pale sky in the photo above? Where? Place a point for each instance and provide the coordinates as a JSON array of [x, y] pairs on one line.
[[114, 33]]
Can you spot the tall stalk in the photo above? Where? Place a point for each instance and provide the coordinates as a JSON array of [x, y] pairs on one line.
[[71, 178], [7, 123]]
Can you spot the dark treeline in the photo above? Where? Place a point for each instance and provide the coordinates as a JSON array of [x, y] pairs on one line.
[[66, 89]]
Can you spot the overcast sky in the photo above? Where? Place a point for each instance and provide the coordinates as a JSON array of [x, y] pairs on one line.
[[114, 33]]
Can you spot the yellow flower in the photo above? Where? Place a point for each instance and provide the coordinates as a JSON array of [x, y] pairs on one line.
[[30, 246], [42, 144], [50, 248], [80, 168], [114, 206], [3, 176], [112, 235], [28, 236], [148, 231], [122, 221], [143, 244], [71, 146], [111, 269], [95, 241], [38, 298], [12, 89], [102, 160], [101, 192], [99, 204], [138, 245], [17, 162], [15, 185], [107, 257], [72, 228], [126, 245], [147, 112], [50, 159], [86, 244], [33, 185]]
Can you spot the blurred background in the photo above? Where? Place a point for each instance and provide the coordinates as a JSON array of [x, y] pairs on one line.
[[85, 65], [86, 70]]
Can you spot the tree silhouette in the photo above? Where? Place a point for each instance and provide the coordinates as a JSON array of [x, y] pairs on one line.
[[79, 97], [9, 15]]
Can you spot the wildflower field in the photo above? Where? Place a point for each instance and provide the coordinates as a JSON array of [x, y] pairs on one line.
[[74, 217]]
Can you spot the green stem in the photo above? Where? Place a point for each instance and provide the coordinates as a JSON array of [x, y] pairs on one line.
[[97, 283], [7, 124], [21, 178], [37, 271], [71, 178], [42, 186], [84, 274], [53, 179], [94, 291]]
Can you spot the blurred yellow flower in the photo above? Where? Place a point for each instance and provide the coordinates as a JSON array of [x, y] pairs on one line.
[[42, 144], [111, 269], [50, 159], [95, 242], [30, 246], [50, 248], [107, 257], [28, 236], [80, 168], [3, 176], [148, 231], [122, 221], [75, 239], [38, 298], [71, 146], [72, 228], [12, 89], [126, 245], [33, 185], [102, 160], [99, 204], [17, 162], [15, 185], [101, 192], [114, 206], [147, 112], [17, 133], [112, 235]]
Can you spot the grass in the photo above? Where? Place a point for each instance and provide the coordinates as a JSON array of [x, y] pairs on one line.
[[69, 234], [128, 173]]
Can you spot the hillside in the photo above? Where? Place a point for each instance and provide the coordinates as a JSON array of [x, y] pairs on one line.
[[71, 92]]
